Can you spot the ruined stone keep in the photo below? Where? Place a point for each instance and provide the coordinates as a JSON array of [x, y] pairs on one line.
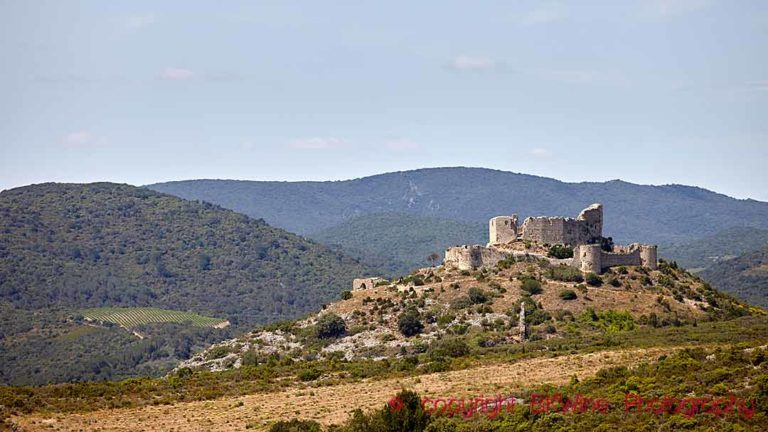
[[584, 234]]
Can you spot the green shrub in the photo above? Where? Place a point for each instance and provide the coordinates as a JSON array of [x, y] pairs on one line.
[[216, 352], [568, 294], [409, 323], [531, 286], [565, 273], [296, 426], [462, 302], [452, 347], [560, 251], [593, 279], [310, 374], [330, 325], [346, 295], [477, 296]]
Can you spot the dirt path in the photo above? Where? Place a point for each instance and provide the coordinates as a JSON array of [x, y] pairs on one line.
[[332, 404]]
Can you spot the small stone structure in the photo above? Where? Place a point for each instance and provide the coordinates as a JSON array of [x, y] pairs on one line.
[[584, 234], [366, 283]]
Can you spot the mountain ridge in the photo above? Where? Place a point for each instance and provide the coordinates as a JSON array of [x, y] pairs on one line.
[[662, 214]]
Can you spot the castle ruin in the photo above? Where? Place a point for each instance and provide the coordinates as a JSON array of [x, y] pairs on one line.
[[584, 234]]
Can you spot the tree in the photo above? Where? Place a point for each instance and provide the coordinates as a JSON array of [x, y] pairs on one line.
[[330, 326], [346, 295], [409, 323], [432, 258]]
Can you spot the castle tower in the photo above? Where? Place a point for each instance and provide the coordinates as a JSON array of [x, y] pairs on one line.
[[502, 229], [593, 219], [648, 256], [589, 258]]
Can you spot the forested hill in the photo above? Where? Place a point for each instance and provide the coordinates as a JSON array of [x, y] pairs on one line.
[[103, 244], [745, 276], [660, 214]]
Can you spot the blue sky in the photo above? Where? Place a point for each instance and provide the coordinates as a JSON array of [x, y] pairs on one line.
[[652, 92]]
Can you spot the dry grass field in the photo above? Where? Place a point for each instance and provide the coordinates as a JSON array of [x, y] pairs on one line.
[[332, 404]]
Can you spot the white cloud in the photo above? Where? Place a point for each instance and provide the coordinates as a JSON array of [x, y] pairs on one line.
[[472, 63], [401, 145], [139, 21], [82, 139], [541, 153], [544, 14], [317, 143], [176, 74]]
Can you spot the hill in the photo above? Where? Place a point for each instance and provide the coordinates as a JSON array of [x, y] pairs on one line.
[[97, 245], [727, 244], [745, 277], [67, 247], [398, 243], [659, 214], [483, 307]]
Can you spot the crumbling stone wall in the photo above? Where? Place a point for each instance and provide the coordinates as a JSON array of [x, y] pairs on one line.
[[468, 257], [590, 258], [366, 283], [586, 228], [502, 229]]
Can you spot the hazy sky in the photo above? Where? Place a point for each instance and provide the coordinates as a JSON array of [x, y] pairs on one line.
[[650, 92]]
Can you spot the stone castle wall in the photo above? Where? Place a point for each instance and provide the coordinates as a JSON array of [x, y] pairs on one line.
[[469, 257], [502, 229], [586, 228], [590, 258]]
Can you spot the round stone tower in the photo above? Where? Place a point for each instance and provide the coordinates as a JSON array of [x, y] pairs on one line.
[[648, 256], [589, 258]]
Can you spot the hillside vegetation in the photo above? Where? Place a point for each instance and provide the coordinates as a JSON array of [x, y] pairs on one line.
[[398, 243], [105, 245], [710, 250], [66, 248], [745, 277], [443, 311], [659, 214]]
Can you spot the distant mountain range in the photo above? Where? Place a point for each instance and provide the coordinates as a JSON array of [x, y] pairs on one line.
[[393, 221], [659, 214]]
